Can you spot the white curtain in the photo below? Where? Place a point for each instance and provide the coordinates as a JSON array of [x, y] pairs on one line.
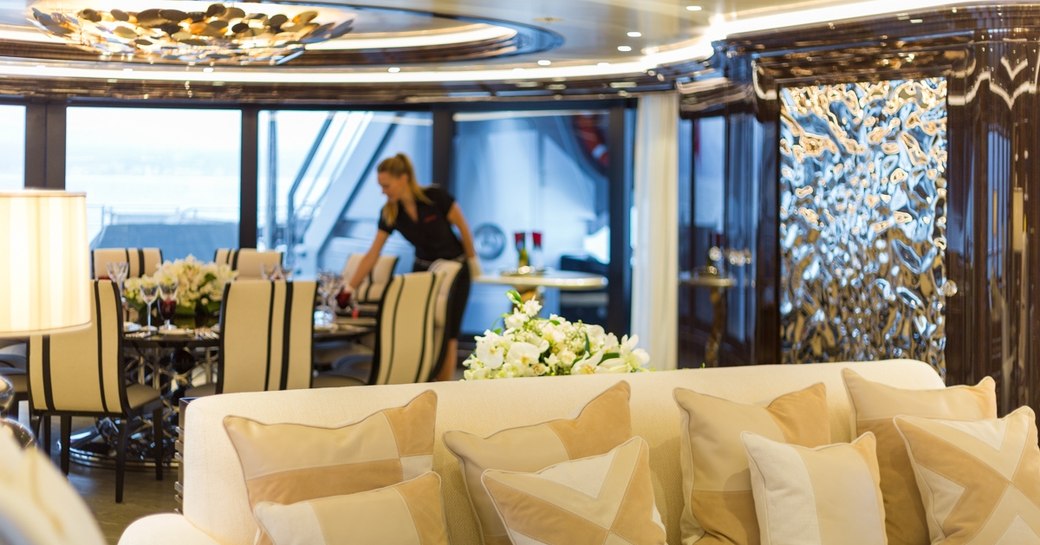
[[655, 275]]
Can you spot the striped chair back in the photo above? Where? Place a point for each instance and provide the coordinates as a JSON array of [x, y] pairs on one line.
[[142, 261], [81, 371], [249, 262], [406, 349], [372, 287], [266, 336], [448, 270]]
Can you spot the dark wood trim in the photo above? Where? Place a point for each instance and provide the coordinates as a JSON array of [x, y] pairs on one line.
[[619, 174], [443, 144], [248, 198]]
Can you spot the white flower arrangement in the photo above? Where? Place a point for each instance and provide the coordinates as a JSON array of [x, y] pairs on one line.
[[531, 346], [198, 283]]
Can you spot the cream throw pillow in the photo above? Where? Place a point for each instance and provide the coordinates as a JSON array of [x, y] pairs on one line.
[[604, 423], [408, 513], [820, 496], [720, 508], [37, 503], [289, 463], [874, 406], [980, 480], [605, 499]]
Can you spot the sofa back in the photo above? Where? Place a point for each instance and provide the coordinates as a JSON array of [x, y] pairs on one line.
[[214, 490]]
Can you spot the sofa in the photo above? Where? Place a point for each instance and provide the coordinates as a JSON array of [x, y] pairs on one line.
[[215, 508]]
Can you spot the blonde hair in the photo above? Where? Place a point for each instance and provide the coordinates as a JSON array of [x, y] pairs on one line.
[[400, 165]]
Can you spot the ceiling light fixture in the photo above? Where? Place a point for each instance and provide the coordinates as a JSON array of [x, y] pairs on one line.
[[192, 31], [393, 69], [544, 62], [693, 8], [624, 48], [635, 34]]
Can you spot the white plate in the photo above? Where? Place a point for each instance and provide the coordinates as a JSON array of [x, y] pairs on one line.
[[131, 327], [325, 328], [176, 331]]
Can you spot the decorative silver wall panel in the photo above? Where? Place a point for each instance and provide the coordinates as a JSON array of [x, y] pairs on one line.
[[863, 221]]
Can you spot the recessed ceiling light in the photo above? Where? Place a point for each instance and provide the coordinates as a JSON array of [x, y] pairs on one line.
[[916, 21], [635, 34], [624, 48], [602, 64], [544, 62], [518, 69], [207, 69], [693, 8], [393, 69]]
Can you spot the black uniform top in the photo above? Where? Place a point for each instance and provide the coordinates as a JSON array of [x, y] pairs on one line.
[[431, 234]]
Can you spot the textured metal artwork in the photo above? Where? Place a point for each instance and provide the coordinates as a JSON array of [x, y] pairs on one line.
[[863, 221]]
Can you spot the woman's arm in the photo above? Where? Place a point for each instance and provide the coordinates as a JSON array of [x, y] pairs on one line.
[[458, 220], [369, 260]]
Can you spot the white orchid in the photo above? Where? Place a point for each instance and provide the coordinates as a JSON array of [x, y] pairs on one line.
[[533, 346]]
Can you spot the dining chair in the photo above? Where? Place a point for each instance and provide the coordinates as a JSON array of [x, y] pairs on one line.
[[249, 262], [266, 337], [82, 373], [370, 291], [12, 368], [142, 261], [405, 346], [443, 311]]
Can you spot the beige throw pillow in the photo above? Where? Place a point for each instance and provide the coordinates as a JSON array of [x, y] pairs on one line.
[[289, 463], [720, 508], [408, 513], [605, 499], [874, 406], [980, 480], [604, 423], [820, 496]]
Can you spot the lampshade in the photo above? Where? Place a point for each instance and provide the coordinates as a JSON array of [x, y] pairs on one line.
[[44, 280]]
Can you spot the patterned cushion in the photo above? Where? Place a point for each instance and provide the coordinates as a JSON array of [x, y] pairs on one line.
[[604, 423], [873, 407], [605, 499], [720, 508], [980, 480], [408, 513], [829, 494], [288, 463]]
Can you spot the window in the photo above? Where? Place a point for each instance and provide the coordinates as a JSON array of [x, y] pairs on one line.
[[12, 147], [318, 197], [535, 171], [166, 178]]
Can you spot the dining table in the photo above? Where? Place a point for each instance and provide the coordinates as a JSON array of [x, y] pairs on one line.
[[530, 282]]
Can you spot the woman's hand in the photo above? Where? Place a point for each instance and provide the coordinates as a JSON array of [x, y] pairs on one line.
[[474, 267]]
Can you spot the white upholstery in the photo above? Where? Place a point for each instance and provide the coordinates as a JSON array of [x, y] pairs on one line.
[[374, 284], [215, 496], [448, 270], [37, 505], [81, 371], [141, 261], [405, 344], [249, 262], [266, 335]]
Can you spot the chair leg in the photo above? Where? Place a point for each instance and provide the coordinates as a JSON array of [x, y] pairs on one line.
[[157, 436], [66, 438], [124, 428], [45, 425]]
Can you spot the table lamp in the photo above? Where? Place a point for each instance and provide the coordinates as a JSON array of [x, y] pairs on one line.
[[44, 281]]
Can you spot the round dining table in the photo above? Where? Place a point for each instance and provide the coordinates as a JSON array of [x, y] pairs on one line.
[[531, 283]]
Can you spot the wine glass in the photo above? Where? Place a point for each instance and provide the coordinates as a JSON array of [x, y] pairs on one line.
[[149, 292], [168, 292], [329, 284], [117, 272]]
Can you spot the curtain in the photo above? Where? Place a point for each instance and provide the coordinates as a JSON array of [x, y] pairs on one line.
[[655, 226]]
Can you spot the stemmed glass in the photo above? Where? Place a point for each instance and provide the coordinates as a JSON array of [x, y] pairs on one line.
[[329, 284], [168, 292], [117, 272], [149, 292]]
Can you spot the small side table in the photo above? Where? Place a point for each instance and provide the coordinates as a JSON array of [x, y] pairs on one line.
[[531, 285], [718, 284]]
